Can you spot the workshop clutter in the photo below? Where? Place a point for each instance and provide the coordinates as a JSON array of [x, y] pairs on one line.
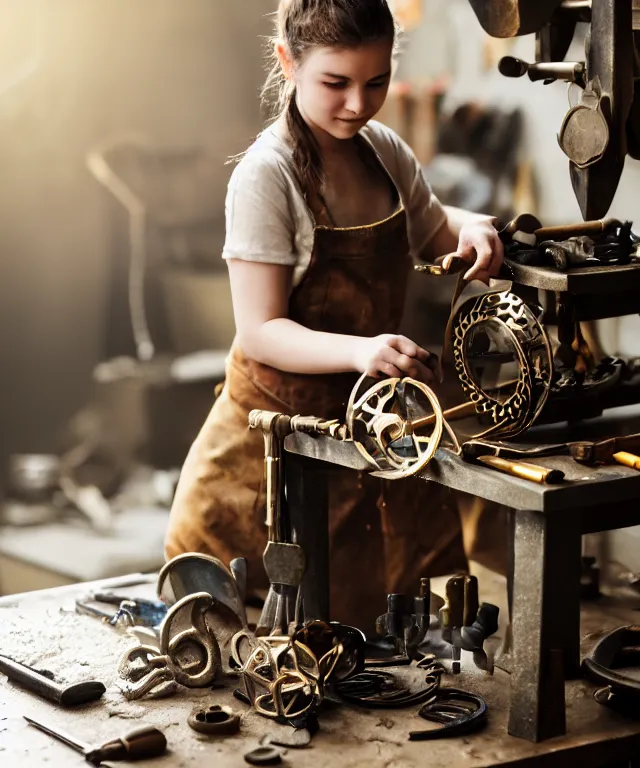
[[518, 360], [286, 676], [289, 663]]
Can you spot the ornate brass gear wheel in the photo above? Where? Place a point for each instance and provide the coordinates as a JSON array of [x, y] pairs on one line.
[[503, 359], [396, 424]]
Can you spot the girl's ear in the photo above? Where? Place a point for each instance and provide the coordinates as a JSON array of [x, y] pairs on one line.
[[284, 57]]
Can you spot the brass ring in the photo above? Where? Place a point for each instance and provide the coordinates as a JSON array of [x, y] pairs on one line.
[[522, 331]]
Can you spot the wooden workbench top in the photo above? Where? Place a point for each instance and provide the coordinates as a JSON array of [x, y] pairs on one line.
[[41, 629]]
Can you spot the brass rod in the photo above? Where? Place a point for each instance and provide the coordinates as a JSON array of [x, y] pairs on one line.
[[523, 469]]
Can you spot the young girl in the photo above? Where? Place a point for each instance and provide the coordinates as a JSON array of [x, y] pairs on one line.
[[325, 214]]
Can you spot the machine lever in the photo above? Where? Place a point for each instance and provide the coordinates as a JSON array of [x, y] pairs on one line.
[[570, 71]]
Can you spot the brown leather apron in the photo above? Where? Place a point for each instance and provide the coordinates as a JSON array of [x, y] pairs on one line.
[[384, 535]]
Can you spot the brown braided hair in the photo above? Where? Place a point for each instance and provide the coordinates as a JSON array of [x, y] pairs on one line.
[[306, 24]]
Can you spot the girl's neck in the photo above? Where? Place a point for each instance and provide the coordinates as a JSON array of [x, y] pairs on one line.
[[331, 149]]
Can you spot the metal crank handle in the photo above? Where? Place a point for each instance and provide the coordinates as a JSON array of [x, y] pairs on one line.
[[569, 71], [457, 265]]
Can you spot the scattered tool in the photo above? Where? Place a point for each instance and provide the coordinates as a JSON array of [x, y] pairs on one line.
[[628, 459], [462, 623], [130, 612], [406, 624], [43, 684], [466, 623], [138, 744], [284, 561], [523, 469], [459, 610], [147, 613]]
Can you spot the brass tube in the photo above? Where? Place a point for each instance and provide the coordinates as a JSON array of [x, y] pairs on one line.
[[523, 469]]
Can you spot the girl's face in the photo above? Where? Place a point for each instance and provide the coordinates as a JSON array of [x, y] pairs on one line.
[[340, 89]]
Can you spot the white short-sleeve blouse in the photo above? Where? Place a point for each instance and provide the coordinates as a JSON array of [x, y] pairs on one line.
[[267, 216]]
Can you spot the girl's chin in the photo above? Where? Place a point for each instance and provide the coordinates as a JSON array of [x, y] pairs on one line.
[[345, 130]]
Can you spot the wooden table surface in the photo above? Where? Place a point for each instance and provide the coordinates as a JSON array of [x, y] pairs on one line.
[[41, 629]]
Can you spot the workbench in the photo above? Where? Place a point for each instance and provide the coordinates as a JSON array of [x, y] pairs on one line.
[[548, 523], [41, 628]]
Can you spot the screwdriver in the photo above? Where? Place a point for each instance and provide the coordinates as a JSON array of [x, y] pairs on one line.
[[135, 745]]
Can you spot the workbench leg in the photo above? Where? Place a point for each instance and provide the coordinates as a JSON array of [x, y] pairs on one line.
[[546, 622], [503, 658], [308, 504]]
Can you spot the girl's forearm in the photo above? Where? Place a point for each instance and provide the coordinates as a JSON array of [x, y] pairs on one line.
[[289, 346], [458, 217], [445, 241]]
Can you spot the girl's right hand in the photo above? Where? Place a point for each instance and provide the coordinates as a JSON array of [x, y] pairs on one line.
[[394, 356]]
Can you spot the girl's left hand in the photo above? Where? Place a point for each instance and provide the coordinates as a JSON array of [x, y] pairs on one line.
[[479, 245]]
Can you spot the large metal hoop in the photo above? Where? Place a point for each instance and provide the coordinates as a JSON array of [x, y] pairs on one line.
[[530, 342]]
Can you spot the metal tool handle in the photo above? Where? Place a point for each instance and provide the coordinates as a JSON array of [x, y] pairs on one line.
[[274, 427], [36, 682], [563, 232], [457, 265]]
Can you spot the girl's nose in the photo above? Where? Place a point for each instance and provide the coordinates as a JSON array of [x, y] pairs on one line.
[[356, 101]]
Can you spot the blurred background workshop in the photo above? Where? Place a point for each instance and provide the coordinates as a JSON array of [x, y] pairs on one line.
[[119, 122]]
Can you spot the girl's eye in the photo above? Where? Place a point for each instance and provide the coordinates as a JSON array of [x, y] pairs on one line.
[[344, 85]]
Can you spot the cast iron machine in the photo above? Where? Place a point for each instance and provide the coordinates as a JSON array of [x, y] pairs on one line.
[[521, 353], [604, 127]]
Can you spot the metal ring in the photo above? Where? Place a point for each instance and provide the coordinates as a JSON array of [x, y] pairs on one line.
[[214, 720], [264, 756], [522, 404], [439, 711], [373, 426]]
